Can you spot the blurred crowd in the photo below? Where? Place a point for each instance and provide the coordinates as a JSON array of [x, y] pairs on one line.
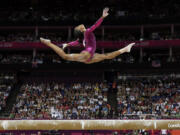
[[15, 59], [31, 37], [61, 12], [7, 81], [156, 95], [18, 37], [62, 101], [62, 36], [155, 59], [136, 97]]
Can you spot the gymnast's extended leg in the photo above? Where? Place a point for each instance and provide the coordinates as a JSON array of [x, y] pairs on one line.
[[80, 57], [100, 57]]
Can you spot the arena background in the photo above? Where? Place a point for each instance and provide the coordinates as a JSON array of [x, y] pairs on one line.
[[36, 84]]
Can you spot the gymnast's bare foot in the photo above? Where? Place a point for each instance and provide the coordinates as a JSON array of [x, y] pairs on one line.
[[128, 48], [45, 41]]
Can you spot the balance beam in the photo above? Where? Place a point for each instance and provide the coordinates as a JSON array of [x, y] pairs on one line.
[[88, 124]]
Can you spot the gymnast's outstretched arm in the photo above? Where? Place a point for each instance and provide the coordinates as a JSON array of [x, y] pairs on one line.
[[98, 22], [73, 43]]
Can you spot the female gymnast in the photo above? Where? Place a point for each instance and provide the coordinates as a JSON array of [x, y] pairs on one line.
[[88, 55]]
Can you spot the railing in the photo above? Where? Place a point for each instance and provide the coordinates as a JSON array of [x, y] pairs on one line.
[[100, 44], [103, 30]]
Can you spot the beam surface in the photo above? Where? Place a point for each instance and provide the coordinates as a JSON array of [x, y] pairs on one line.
[[88, 124]]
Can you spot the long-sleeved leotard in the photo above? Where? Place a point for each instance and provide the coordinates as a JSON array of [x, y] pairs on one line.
[[89, 39], [73, 43]]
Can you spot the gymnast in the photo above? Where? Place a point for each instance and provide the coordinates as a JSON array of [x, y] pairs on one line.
[[88, 55]]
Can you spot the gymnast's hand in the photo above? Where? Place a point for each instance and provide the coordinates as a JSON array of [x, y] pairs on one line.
[[105, 12]]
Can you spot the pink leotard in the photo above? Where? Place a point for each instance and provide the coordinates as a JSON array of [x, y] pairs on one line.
[[89, 39]]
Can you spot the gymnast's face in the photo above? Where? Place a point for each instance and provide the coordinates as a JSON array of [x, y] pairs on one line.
[[81, 28]]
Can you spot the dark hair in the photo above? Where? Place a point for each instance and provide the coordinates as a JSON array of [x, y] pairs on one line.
[[78, 35]]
